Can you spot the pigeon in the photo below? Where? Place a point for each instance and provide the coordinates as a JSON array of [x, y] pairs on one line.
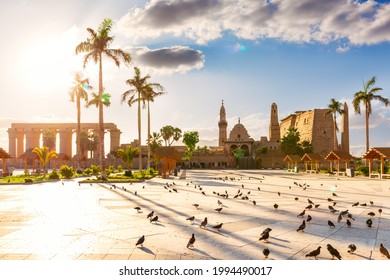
[[363, 204], [203, 193], [204, 223], [380, 211], [333, 252], [150, 215], [310, 202], [349, 224], [195, 205], [330, 223], [372, 214], [191, 219], [140, 241], [296, 198], [301, 214], [175, 190], [264, 236], [339, 218], [369, 223], [276, 206], [219, 202], [314, 253], [350, 216], [334, 194], [218, 209], [309, 206], [218, 227], [316, 206], [279, 193], [191, 241], [138, 209], [352, 248], [384, 251], [266, 252], [308, 218], [372, 202], [154, 219], [266, 230], [302, 226], [254, 202], [330, 200], [355, 204]]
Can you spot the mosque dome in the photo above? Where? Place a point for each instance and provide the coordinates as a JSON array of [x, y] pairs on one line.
[[239, 133]]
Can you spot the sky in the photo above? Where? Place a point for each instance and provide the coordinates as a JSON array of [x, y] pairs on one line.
[[297, 54]]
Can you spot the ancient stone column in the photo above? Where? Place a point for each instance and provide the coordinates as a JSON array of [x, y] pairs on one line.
[[32, 138], [345, 129], [115, 135], [66, 141], [20, 142], [12, 142]]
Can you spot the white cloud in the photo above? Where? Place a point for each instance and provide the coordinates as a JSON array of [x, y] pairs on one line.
[[175, 59], [357, 22]]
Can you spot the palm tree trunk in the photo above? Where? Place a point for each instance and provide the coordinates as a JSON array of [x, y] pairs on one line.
[[367, 130], [139, 133], [101, 124], [78, 145], [148, 164], [334, 133]]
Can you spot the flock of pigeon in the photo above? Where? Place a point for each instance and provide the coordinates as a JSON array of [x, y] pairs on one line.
[[307, 214]]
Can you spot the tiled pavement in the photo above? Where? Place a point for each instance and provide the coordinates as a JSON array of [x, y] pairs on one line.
[[55, 221]]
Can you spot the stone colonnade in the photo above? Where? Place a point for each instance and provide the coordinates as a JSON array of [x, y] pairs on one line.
[[24, 136]]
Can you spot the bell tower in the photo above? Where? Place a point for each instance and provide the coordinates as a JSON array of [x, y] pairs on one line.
[[222, 124]]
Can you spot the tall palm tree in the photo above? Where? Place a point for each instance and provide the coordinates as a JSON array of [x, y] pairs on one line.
[[365, 96], [149, 97], [140, 91], [335, 107], [154, 143], [97, 45], [78, 92], [127, 155], [44, 156]]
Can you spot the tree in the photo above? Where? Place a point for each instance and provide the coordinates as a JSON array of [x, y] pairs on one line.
[[333, 108], [92, 143], [238, 154], [127, 155], [306, 147], [170, 134], [44, 156], [154, 142], [149, 96], [190, 139], [365, 96], [141, 90], [49, 139], [289, 143], [78, 92], [259, 152], [97, 45]]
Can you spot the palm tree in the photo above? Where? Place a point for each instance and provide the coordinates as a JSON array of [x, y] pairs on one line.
[[154, 143], [365, 96], [333, 108], [97, 45], [149, 97], [49, 139], [78, 92], [127, 155], [44, 156], [141, 90]]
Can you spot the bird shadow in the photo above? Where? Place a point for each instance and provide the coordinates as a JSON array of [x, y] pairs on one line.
[[281, 240], [158, 224], [363, 257], [146, 250], [200, 252]]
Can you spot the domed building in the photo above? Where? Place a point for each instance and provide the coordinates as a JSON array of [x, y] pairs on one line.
[[239, 138]]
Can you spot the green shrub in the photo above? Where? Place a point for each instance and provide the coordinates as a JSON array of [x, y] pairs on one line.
[[54, 175], [95, 169], [87, 171], [128, 173], [108, 171], [385, 167], [364, 170], [79, 171], [67, 171], [28, 180], [151, 171], [120, 168]]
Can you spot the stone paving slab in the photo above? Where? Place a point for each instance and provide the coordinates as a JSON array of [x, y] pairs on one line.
[[52, 221]]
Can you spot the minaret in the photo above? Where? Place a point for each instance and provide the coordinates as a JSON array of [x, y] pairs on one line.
[[345, 129], [274, 128], [222, 124]]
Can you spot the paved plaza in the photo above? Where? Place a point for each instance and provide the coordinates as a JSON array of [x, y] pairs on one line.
[[66, 220]]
